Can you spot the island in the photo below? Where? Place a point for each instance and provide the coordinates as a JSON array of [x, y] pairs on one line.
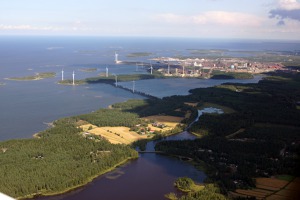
[[37, 76], [88, 69], [139, 54]]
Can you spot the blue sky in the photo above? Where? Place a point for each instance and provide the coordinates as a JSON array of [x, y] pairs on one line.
[[253, 19]]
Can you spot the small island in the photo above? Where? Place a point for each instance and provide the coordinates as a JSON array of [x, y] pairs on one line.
[[139, 54], [37, 76], [88, 69]]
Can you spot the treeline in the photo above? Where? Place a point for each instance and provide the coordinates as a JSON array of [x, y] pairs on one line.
[[60, 159], [122, 77], [230, 75], [131, 105], [166, 106], [110, 117]]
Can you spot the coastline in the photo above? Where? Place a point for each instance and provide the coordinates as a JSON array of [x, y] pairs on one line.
[[89, 180]]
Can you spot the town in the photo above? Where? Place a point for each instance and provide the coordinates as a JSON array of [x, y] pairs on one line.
[[206, 68], [201, 66]]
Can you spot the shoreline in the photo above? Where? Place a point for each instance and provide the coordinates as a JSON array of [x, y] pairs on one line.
[[89, 180]]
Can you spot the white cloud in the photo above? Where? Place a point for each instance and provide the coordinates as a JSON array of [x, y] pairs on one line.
[[73, 27], [288, 4], [230, 18], [286, 10], [28, 27], [171, 18], [222, 18]]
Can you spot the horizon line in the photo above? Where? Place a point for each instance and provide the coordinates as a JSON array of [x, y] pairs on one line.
[[162, 37]]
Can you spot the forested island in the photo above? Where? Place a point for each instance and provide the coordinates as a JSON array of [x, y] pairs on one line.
[[257, 136]]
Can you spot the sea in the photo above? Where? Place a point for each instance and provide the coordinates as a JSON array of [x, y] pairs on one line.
[[27, 107]]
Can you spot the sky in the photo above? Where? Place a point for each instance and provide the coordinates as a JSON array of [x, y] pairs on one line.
[[242, 19]]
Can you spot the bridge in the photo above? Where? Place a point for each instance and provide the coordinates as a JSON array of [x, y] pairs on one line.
[[151, 152]]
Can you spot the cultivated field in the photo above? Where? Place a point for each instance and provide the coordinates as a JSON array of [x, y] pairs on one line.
[[170, 122], [272, 189], [123, 135], [291, 191], [115, 135]]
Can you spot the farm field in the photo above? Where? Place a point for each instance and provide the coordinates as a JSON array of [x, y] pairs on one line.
[[115, 135], [170, 122], [123, 135], [271, 189]]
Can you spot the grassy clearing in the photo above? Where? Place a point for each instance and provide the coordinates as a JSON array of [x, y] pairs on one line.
[[197, 187], [191, 104]]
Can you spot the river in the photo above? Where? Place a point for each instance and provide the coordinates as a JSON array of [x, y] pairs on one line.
[[149, 177]]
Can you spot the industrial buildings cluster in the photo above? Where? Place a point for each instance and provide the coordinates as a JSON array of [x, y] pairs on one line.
[[195, 67]]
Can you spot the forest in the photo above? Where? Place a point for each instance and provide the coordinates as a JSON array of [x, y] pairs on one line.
[[216, 74], [259, 139], [59, 159]]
